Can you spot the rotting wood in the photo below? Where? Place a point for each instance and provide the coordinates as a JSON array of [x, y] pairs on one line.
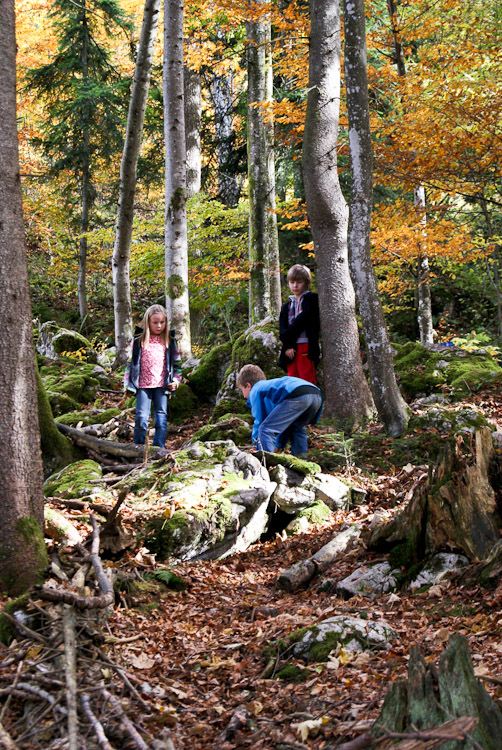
[[304, 571]]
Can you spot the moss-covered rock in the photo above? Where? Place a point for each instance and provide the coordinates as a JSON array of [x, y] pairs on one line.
[[90, 416], [228, 427], [74, 481], [205, 380], [183, 403], [54, 341], [216, 502], [258, 345], [316, 642], [316, 513], [57, 451], [420, 370], [69, 383]]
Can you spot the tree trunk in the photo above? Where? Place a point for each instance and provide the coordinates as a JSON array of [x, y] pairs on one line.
[[193, 112], [348, 398], [424, 288], [176, 243], [450, 704], [85, 198], [125, 214], [222, 94], [22, 552], [390, 405], [264, 286], [455, 508]]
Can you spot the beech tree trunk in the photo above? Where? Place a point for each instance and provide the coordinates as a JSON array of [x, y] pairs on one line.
[[22, 552], [176, 242], [264, 287], [424, 288], [222, 95], [348, 398], [128, 167], [193, 112], [390, 405]]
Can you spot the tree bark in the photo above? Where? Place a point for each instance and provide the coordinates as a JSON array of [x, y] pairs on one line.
[[264, 286], [128, 167], [424, 288], [22, 551], [176, 242], [193, 112], [222, 95], [85, 195], [348, 398], [390, 405]]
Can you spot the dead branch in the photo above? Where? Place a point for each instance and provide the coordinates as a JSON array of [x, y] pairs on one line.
[[123, 450], [70, 665], [24, 629], [240, 718], [6, 740], [96, 724], [126, 722]]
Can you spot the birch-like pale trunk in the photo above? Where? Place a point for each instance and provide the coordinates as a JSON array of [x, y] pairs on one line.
[[264, 271], [23, 556], [425, 326], [348, 398], [193, 113], [127, 189], [175, 227], [390, 405]]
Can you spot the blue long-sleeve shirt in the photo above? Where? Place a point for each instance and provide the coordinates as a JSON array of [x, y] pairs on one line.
[[266, 394]]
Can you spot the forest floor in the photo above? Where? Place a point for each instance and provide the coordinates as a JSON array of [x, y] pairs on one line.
[[197, 656]]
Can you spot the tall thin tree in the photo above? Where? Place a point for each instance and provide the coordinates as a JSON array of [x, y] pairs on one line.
[[22, 552], [348, 398], [389, 402], [127, 190], [175, 229], [265, 289]]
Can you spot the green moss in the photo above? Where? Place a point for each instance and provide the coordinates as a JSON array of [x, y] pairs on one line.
[[7, 629], [206, 379], [57, 451], [316, 513], [292, 462], [165, 535], [292, 673], [175, 286], [24, 561], [73, 480], [182, 404], [61, 403], [91, 416]]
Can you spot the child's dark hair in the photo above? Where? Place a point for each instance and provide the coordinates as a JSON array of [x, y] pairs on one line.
[[145, 325], [300, 273], [249, 375]]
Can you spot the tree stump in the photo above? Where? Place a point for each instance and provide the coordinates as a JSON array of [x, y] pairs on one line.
[[427, 700], [455, 508]]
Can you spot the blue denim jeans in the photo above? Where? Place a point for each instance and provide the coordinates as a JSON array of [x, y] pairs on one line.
[[144, 399], [286, 423]]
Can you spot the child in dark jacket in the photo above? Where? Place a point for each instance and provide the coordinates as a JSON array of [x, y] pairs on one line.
[[299, 327], [281, 409], [153, 372]]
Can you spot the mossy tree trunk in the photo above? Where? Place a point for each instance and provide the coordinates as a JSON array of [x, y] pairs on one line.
[[57, 451], [22, 551]]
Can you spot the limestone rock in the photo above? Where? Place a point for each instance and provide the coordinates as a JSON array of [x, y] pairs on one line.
[[369, 581]]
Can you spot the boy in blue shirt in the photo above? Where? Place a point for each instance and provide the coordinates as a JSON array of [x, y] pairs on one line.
[[281, 409]]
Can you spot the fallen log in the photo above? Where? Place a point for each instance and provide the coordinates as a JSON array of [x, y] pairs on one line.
[[302, 572], [124, 450]]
